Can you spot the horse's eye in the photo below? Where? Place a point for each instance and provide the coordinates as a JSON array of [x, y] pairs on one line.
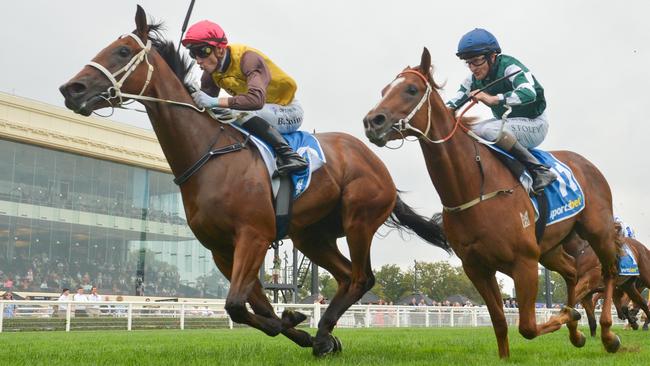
[[124, 52], [412, 90]]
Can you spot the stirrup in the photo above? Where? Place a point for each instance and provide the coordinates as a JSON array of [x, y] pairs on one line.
[[543, 181], [292, 167]]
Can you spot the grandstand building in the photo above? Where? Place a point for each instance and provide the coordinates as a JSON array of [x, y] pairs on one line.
[[88, 201]]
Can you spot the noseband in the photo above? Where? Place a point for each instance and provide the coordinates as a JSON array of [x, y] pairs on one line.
[[404, 123], [115, 92]]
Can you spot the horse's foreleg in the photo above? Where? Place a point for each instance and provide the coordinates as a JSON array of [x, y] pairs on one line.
[[525, 277], [486, 283], [560, 261], [608, 338], [634, 294], [323, 252], [242, 275], [259, 302], [588, 305], [261, 306]]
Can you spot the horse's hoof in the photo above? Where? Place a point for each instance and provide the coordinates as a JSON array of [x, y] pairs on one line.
[[634, 325], [580, 342], [323, 347], [338, 346], [573, 313], [614, 345], [645, 327], [292, 318]]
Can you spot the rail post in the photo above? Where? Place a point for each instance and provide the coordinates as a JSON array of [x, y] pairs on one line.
[[2, 313], [129, 317], [426, 316], [68, 316], [183, 316], [367, 316]]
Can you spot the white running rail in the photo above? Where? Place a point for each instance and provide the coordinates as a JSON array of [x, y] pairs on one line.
[[70, 316]]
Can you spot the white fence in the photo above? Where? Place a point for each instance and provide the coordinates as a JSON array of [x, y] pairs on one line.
[[54, 315]]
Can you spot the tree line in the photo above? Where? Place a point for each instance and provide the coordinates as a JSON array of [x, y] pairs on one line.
[[437, 280]]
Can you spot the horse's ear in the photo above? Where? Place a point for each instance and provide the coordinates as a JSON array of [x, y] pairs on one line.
[[142, 27], [425, 62]]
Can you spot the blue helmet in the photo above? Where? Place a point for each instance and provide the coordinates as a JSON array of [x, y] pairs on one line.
[[477, 42]]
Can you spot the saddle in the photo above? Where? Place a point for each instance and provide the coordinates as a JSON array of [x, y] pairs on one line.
[[560, 200]]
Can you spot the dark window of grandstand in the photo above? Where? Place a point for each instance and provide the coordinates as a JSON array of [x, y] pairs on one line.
[[44, 173], [24, 172], [7, 165], [85, 226]]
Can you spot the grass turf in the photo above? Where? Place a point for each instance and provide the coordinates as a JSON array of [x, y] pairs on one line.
[[390, 346]]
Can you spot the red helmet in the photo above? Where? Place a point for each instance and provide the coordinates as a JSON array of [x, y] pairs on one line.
[[208, 32]]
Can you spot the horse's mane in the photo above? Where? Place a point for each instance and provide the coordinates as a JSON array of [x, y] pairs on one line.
[[180, 64], [464, 120]]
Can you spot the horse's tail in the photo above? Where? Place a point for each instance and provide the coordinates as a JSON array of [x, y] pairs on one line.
[[404, 217]]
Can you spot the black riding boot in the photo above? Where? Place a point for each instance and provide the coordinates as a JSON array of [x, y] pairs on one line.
[[288, 161], [542, 175]]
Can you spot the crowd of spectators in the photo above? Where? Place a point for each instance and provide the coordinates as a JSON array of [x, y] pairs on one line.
[[90, 203], [43, 274]]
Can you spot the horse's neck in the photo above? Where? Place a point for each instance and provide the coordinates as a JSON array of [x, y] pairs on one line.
[[183, 133], [452, 164]]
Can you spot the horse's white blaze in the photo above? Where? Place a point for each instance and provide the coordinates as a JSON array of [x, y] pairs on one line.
[[395, 83]]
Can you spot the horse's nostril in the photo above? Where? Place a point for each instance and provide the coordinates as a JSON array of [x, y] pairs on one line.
[[76, 88], [378, 119]]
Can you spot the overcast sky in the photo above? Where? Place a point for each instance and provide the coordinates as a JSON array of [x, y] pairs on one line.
[[591, 57]]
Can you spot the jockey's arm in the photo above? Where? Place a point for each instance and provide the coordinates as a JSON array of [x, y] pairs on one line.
[[461, 94], [258, 78], [523, 86], [208, 86]]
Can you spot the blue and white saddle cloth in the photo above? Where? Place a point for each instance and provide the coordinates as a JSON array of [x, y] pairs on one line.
[[627, 265], [565, 196], [305, 144]]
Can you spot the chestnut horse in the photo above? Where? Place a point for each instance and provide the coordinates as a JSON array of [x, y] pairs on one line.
[[492, 231], [229, 201], [590, 280]]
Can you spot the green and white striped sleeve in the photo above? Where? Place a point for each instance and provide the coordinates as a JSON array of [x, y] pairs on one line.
[[461, 94], [523, 86]]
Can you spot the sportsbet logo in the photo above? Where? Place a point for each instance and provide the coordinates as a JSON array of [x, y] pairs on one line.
[[566, 208]]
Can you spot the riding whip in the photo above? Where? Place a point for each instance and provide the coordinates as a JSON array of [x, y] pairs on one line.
[[187, 19], [489, 85]]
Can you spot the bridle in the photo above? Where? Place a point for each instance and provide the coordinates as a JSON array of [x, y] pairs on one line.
[[115, 92], [404, 123]]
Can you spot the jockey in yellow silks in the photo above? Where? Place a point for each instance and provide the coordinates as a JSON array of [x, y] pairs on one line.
[[256, 85]]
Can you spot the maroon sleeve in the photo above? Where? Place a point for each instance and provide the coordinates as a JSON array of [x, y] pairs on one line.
[[208, 86], [258, 77]]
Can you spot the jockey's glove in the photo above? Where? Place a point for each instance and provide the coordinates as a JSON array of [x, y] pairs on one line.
[[204, 100]]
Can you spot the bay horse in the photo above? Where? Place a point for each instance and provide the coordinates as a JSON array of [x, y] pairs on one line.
[[590, 280], [229, 201], [492, 231]]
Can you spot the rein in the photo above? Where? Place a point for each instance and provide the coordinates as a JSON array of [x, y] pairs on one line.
[[115, 92]]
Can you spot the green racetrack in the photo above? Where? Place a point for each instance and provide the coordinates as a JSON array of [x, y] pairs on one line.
[[376, 346]]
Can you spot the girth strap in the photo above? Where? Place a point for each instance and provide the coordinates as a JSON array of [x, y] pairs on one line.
[[210, 154], [477, 200]]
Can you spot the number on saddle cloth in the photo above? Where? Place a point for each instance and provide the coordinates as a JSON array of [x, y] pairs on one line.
[[565, 196]]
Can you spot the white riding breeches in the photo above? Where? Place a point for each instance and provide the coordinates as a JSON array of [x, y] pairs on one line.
[[285, 118], [530, 132]]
